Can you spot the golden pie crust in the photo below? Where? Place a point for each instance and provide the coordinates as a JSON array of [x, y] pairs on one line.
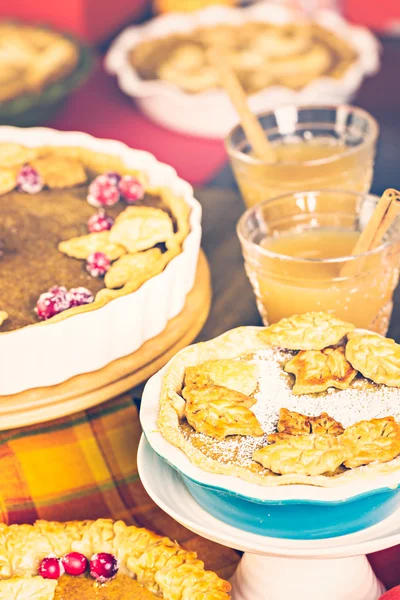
[[138, 230], [31, 58], [312, 447], [261, 54], [157, 563]]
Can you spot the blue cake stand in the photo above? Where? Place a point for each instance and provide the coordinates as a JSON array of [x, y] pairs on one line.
[[276, 568]]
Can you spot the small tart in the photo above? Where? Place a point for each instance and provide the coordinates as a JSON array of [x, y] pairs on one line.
[[310, 331], [311, 454], [376, 440], [219, 412], [233, 374], [161, 566], [318, 370], [376, 357]]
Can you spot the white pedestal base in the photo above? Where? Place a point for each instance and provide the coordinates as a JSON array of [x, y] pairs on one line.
[[273, 578]]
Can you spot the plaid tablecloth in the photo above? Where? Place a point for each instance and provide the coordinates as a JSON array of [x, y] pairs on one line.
[[84, 467]]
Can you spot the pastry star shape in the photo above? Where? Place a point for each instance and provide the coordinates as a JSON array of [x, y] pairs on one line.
[[310, 331], [293, 423], [375, 440], [311, 454], [233, 374], [318, 370], [376, 357], [218, 412]]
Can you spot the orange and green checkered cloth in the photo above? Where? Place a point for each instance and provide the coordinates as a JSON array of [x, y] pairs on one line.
[[84, 467]]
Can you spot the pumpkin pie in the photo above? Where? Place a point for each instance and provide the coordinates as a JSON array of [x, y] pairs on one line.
[[99, 560], [308, 400], [262, 55], [78, 229]]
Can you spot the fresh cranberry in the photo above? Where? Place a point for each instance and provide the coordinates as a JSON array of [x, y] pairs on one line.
[[102, 192], [98, 264], [100, 222], [131, 189], [79, 296], [113, 176], [29, 180], [75, 563], [51, 568], [51, 303], [103, 566]]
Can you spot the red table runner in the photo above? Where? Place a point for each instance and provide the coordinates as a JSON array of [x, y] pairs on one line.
[[101, 109]]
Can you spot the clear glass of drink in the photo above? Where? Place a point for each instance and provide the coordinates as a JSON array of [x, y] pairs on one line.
[[297, 250], [317, 147]]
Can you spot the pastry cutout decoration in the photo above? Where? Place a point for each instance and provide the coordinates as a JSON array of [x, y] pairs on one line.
[[310, 331], [219, 412], [83, 246], [318, 370], [376, 357], [305, 454], [132, 266], [235, 375], [140, 228], [293, 423], [375, 440]]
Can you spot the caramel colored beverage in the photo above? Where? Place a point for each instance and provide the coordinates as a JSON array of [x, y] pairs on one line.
[[315, 148], [296, 247]]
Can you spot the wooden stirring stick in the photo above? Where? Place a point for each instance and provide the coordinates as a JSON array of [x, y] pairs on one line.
[[384, 215], [251, 125]]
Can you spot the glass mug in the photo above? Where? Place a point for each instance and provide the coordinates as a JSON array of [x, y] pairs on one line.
[[317, 147], [297, 252]]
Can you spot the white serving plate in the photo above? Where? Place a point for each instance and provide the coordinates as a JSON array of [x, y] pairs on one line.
[[248, 491], [48, 354], [210, 113]]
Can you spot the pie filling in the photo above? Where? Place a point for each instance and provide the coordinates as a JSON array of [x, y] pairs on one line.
[[84, 587], [74, 232], [327, 405], [261, 54]]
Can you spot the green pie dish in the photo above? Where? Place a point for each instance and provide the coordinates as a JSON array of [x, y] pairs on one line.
[[30, 109]]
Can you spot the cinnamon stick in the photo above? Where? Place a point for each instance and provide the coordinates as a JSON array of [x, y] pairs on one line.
[[251, 125], [384, 215]]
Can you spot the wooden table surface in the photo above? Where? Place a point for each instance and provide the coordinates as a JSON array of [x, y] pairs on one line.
[[233, 299]]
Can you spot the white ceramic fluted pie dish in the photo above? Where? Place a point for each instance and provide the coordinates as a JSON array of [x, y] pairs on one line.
[[210, 113], [33, 356]]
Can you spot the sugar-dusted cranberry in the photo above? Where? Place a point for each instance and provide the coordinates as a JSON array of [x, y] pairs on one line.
[[51, 568], [131, 189], [59, 290], [75, 563], [29, 180], [102, 192], [98, 264], [79, 296], [100, 222], [51, 303], [103, 566], [113, 176]]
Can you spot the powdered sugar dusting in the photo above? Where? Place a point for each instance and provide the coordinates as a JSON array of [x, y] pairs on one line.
[[362, 400]]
